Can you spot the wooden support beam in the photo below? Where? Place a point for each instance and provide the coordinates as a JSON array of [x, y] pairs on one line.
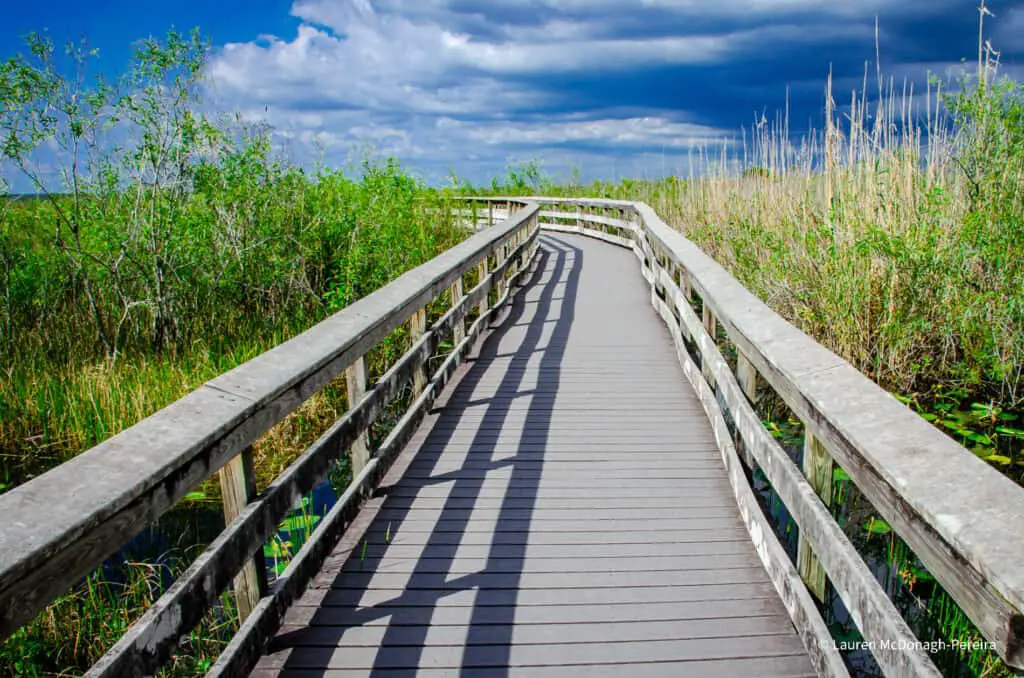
[[711, 325], [817, 467], [685, 285], [746, 377], [238, 488], [481, 270], [499, 259], [355, 378], [459, 330], [417, 328]]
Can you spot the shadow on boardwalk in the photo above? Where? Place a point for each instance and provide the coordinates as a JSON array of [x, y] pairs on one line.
[[490, 627], [565, 513]]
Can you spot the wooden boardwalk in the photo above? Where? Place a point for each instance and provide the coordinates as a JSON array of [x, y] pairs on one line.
[[564, 511], [569, 496]]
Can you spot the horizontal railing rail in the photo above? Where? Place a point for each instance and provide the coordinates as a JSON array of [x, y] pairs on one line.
[[65, 523], [960, 517]]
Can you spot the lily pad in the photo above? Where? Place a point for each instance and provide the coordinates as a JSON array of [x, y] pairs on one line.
[[877, 526]]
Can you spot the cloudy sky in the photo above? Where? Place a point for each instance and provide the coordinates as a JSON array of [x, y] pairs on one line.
[[614, 87]]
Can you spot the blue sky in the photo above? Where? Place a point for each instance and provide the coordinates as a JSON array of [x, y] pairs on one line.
[[614, 87]]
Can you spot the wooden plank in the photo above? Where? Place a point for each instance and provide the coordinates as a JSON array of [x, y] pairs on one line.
[[538, 488], [398, 581], [817, 466], [238, 488], [763, 667], [566, 504], [546, 655], [529, 615], [540, 634], [381, 549], [746, 377], [356, 599], [678, 526]]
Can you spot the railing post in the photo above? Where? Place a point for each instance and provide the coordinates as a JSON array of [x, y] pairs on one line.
[[459, 328], [513, 243], [521, 256], [746, 375], [481, 270], [817, 467], [499, 259], [490, 213], [711, 325], [417, 328], [355, 379], [238, 488], [684, 286]]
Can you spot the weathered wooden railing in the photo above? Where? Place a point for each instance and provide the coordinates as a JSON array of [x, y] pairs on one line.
[[64, 524], [963, 519]]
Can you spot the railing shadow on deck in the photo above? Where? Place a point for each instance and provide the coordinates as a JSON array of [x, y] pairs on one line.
[[489, 633], [61, 525]]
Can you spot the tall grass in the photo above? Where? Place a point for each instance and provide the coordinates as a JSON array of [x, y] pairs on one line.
[[139, 272], [892, 235], [888, 240]]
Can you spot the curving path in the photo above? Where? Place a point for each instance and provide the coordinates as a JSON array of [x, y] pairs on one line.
[[563, 512]]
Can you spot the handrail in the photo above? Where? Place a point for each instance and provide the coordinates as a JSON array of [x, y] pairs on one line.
[[63, 524], [960, 516]]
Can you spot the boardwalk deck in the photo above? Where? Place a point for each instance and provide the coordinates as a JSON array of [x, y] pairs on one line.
[[564, 511]]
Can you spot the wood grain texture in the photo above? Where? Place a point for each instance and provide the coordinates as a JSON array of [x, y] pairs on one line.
[[355, 384], [515, 523], [238, 488], [817, 466], [417, 326]]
